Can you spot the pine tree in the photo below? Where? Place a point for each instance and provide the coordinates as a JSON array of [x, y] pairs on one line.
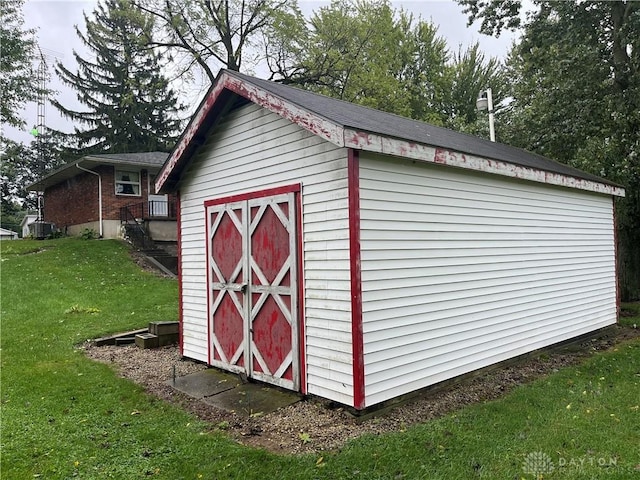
[[130, 107]]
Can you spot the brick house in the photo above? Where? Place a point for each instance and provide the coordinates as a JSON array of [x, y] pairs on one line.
[[101, 192]]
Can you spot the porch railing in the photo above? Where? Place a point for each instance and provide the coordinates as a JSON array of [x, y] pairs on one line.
[[165, 209], [134, 229]]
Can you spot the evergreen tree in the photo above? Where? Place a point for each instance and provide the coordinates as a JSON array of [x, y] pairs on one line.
[[130, 107]]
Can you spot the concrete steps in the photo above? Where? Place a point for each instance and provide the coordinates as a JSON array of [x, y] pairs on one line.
[[161, 254], [158, 334]]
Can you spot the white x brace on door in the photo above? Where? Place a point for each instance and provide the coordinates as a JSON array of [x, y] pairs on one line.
[[252, 290]]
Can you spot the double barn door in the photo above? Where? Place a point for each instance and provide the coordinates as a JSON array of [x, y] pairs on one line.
[[252, 288]]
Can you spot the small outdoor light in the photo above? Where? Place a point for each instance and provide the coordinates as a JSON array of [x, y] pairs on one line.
[[485, 102]]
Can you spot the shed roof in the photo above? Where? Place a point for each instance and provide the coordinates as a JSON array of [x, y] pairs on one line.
[[68, 170], [349, 125]]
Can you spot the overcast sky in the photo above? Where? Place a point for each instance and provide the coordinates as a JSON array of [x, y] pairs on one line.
[[55, 20]]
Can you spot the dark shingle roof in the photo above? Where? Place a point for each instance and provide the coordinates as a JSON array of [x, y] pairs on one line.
[[374, 121], [338, 118], [153, 160], [143, 158]]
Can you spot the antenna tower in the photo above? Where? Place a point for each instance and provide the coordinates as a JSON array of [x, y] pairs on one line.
[[39, 131]]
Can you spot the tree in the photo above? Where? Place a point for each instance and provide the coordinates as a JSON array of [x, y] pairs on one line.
[[15, 163], [17, 48], [368, 53], [575, 78], [216, 33], [22, 165], [494, 14], [354, 51], [130, 105], [472, 73]]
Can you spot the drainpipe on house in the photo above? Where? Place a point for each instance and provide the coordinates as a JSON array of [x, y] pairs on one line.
[[99, 193]]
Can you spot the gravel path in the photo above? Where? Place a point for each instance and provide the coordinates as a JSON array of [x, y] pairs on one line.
[[314, 425]]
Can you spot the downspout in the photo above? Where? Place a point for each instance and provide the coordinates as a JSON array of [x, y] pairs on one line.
[[99, 194]]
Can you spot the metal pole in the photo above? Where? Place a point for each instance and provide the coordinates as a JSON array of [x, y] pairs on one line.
[[492, 130]]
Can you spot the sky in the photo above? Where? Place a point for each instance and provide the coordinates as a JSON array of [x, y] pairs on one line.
[[56, 35]]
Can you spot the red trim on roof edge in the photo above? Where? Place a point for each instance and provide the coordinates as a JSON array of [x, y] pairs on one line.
[[226, 81], [452, 158], [339, 135], [300, 116], [353, 172], [190, 132]]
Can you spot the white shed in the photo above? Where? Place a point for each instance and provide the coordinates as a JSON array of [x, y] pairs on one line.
[[26, 221], [356, 255]]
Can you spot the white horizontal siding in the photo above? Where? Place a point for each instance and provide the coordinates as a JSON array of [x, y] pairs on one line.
[[461, 270], [253, 149]]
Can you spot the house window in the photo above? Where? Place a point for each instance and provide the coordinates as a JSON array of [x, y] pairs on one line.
[[127, 183]]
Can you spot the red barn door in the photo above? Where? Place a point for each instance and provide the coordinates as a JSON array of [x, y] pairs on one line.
[[252, 288]]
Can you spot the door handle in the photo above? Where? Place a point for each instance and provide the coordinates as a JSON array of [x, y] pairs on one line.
[[239, 288]]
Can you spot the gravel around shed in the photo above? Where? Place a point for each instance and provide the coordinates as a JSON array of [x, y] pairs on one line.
[[315, 425]]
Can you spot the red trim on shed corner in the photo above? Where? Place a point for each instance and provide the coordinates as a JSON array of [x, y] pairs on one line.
[[353, 172], [615, 257], [268, 192], [180, 315], [301, 316], [206, 263]]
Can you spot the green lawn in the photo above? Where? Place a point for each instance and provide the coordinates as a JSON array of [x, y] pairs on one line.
[[65, 416]]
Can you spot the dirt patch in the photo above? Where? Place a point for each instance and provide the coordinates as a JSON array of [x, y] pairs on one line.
[[141, 260], [34, 251], [314, 425]]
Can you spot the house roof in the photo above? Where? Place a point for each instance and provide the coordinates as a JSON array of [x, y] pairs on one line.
[[149, 160], [354, 126], [5, 232]]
